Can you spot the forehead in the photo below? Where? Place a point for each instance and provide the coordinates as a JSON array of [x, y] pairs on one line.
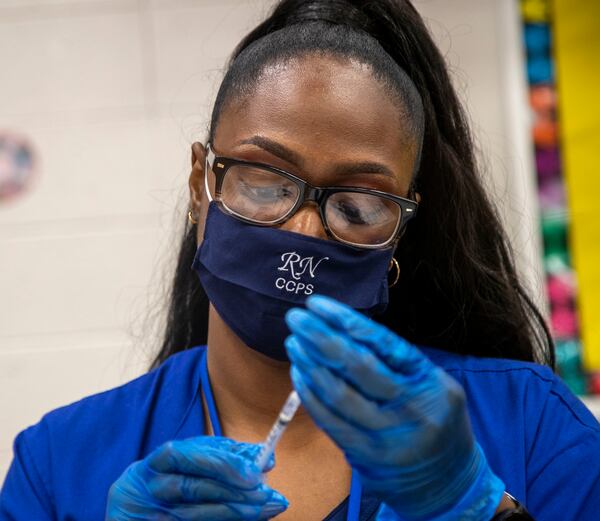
[[321, 106]]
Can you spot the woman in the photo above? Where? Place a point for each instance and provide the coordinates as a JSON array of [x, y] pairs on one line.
[[335, 123]]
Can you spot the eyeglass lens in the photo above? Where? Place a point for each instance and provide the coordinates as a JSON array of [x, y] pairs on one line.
[[266, 197], [258, 194], [362, 218]]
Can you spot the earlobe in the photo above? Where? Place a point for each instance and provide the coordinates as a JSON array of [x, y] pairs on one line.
[[196, 180]]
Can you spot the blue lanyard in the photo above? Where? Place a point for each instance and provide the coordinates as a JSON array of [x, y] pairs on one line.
[[354, 500], [355, 486], [210, 400]]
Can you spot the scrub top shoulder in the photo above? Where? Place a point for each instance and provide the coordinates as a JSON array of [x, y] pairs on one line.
[[539, 439]]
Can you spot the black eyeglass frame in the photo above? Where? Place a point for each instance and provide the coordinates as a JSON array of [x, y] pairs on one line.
[[220, 164]]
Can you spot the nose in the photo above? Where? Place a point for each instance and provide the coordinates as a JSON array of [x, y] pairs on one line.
[[307, 221]]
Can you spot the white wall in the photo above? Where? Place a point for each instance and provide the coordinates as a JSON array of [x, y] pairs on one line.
[[481, 40], [112, 93]]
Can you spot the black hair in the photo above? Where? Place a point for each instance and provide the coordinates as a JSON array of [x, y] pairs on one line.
[[459, 290], [320, 38]]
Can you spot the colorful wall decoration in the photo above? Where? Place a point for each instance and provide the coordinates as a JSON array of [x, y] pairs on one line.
[[576, 26], [17, 165], [560, 277], [571, 253]]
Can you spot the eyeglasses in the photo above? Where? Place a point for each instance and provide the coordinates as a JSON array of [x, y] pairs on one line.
[[267, 196]]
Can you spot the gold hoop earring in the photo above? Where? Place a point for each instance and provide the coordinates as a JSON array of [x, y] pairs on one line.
[[191, 218], [394, 264]]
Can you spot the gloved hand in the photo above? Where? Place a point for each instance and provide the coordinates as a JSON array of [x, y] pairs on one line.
[[401, 421], [203, 478]]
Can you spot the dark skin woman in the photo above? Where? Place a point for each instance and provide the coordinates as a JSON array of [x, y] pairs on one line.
[[318, 118], [340, 244]]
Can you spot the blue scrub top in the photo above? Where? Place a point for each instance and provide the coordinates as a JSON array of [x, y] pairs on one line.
[[538, 438]]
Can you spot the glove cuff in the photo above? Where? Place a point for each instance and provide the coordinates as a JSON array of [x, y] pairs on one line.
[[480, 501]]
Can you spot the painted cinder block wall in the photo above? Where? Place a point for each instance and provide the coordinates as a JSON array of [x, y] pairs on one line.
[[111, 94]]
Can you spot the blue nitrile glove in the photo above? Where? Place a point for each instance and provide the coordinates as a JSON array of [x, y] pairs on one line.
[[401, 421], [203, 478]]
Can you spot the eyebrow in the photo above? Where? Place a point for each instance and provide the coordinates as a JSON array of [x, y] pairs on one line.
[[274, 148], [283, 152]]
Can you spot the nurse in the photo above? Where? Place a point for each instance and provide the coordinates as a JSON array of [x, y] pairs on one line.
[[339, 243]]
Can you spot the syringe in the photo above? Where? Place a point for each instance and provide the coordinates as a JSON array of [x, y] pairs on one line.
[[285, 417]]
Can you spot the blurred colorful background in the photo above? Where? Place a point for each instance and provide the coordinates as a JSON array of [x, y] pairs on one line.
[[562, 47], [101, 99]]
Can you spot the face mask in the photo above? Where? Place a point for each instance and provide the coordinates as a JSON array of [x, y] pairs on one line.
[[254, 274]]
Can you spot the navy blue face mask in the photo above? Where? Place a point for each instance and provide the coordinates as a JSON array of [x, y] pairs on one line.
[[253, 274]]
